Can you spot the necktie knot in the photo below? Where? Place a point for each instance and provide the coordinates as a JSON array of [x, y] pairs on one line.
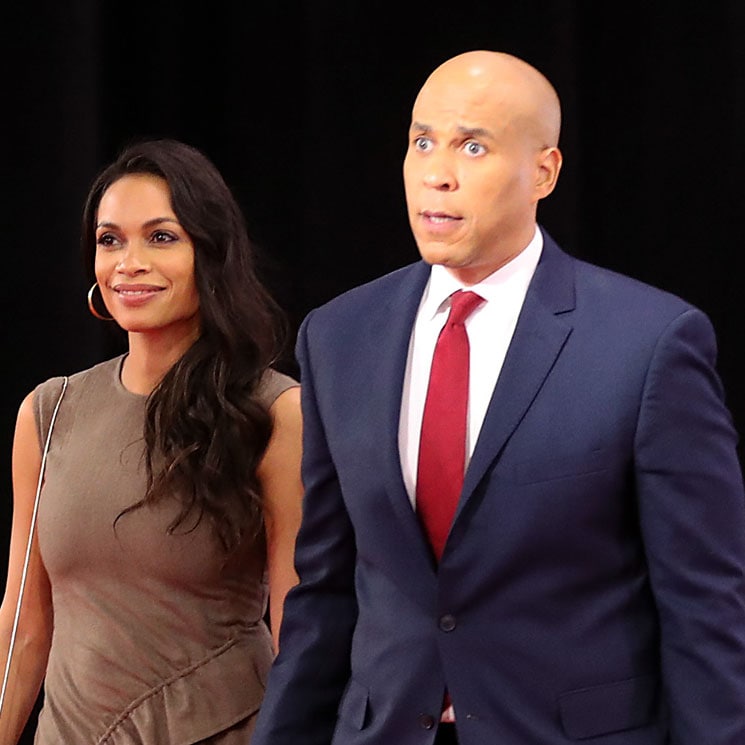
[[462, 304]]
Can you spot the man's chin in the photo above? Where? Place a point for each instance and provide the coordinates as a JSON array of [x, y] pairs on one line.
[[437, 252]]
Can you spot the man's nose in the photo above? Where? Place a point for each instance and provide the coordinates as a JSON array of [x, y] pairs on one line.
[[439, 172]]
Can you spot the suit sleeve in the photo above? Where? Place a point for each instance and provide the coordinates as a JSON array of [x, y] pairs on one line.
[[692, 513], [311, 671]]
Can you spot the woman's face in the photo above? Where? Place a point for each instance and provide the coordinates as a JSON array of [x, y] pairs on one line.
[[145, 260]]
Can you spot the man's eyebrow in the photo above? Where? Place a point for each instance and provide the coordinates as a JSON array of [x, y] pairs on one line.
[[462, 131], [475, 132]]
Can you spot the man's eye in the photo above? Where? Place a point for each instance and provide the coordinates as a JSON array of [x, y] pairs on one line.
[[423, 144], [474, 148]]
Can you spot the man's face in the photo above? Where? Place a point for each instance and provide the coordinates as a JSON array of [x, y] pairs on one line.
[[470, 175]]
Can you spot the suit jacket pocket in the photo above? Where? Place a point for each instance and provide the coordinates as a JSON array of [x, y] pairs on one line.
[[353, 705], [614, 707], [549, 467]]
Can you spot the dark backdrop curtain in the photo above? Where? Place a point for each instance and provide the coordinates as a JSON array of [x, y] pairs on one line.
[[304, 106]]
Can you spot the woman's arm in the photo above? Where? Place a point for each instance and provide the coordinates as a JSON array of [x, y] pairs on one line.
[[34, 631], [279, 473]]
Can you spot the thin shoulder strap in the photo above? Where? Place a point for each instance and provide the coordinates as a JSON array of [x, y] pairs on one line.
[[27, 558]]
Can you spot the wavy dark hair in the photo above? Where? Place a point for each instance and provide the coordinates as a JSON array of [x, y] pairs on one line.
[[205, 430]]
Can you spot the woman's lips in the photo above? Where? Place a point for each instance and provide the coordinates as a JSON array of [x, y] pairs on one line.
[[134, 295]]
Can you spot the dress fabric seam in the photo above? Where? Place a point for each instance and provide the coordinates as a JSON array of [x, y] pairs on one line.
[[136, 703]]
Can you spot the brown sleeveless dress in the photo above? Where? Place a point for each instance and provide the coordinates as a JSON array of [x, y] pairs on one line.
[[159, 639]]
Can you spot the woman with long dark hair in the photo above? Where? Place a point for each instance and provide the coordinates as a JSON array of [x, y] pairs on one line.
[[171, 484]]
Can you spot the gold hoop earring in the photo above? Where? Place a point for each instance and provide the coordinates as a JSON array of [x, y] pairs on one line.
[[92, 308]]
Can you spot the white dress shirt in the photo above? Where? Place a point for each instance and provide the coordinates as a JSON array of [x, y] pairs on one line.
[[490, 328]]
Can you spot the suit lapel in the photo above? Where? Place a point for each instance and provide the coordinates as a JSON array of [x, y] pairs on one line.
[[389, 335], [541, 332]]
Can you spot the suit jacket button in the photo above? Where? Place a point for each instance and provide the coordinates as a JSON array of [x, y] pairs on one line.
[[447, 622], [426, 721]]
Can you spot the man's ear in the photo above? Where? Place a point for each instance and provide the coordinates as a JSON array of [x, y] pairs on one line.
[[549, 165]]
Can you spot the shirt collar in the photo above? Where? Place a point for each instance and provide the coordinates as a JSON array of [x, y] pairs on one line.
[[518, 271]]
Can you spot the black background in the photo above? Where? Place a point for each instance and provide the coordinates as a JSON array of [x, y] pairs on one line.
[[304, 107]]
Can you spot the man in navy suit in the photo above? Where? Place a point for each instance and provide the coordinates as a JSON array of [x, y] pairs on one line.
[[590, 585]]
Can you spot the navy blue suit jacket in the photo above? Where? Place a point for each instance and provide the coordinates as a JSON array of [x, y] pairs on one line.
[[592, 587]]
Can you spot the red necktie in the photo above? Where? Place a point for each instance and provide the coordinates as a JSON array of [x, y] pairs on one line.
[[442, 448]]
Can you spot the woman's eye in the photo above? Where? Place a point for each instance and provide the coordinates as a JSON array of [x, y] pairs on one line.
[[422, 144], [107, 240], [163, 236], [474, 148]]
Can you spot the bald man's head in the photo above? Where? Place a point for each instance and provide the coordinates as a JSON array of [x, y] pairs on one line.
[[518, 87], [482, 154]]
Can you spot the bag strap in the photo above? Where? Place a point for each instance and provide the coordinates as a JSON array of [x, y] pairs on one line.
[[27, 558]]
